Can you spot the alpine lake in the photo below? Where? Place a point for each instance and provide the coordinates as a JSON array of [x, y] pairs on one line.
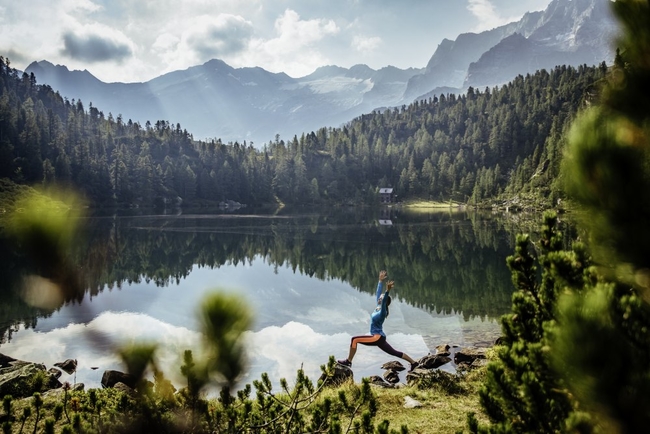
[[309, 278]]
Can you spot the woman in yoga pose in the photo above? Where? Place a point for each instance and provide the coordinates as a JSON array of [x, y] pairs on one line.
[[377, 336]]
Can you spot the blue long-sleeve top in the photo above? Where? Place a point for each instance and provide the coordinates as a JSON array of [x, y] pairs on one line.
[[378, 316]]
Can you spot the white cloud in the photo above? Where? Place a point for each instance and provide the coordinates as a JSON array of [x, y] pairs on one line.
[[95, 344], [294, 32], [281, 351], [365, 43], [486, 14], [80, 5], [293, 50], [165, 42]]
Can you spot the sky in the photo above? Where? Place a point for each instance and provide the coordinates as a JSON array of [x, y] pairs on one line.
[[137, 40]]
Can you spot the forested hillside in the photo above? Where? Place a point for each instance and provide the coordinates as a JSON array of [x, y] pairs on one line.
[[473, 147]]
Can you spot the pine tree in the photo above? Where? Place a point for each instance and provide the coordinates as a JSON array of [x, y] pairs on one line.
[[580, 342], [523, 393], [607, 171]]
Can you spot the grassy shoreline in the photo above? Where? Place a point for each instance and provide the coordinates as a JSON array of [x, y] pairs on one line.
[[431, 205], [441, 412], [443, 409]]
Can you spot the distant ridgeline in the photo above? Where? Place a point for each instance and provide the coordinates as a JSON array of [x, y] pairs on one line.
[[471, 148]]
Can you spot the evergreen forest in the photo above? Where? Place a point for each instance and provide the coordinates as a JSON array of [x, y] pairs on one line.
[[471, 148]]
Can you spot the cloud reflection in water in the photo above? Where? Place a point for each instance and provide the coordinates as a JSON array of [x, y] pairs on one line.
[[279, 351], [298, 320]]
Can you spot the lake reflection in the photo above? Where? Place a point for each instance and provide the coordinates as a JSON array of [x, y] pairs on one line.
[[309, 280]]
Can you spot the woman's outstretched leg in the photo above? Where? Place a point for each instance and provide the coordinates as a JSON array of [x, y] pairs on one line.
[[351, 353], [408, 358], [364, 340], [387, 348]]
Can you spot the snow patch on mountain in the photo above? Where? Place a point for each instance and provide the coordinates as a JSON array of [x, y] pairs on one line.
[[339, 84]]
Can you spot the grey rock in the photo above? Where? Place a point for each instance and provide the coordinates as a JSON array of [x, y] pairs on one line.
[[18, 380], [54, 393], [411, 402], [442, 350], [467, 366], [5, 361], [112, 377], [124, 388], [432, 375], [391, 376], [393, 365], [378, 381], [68, 366], [433, 362], [469, 355], [340, 374]]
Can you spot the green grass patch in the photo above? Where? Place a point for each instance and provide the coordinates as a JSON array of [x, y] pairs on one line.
[[109, 410], [441, 412], [431, 206]]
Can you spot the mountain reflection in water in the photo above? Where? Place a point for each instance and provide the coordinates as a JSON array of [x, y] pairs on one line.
[[310, 280]]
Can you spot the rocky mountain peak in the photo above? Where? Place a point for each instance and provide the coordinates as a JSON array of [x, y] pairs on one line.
[[569, 32]]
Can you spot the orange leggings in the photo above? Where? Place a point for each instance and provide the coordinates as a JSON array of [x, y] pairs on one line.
[[376, 341]]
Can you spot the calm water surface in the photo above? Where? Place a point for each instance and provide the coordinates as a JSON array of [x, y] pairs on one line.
[[309, 280]]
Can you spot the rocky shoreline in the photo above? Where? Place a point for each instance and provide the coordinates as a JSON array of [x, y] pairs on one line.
[[22, 379], [429, 367]]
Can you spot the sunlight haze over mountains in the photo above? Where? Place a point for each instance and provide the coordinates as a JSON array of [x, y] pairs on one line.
[[135, 41]]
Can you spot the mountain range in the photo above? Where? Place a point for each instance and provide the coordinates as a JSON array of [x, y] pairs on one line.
[[215, 100]]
